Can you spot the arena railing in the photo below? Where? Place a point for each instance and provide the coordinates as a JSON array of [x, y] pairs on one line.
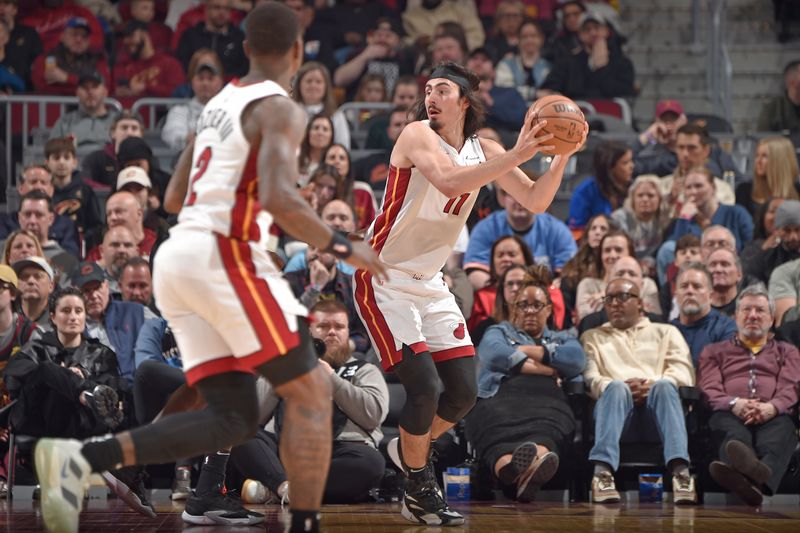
[[358, 115], [25, 113], [153, 109]]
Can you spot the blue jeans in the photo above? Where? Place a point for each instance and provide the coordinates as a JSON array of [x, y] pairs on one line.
[[612, 414]]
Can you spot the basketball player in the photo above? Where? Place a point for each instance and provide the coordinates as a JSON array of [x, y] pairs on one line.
[[436, 169], [231, 311]]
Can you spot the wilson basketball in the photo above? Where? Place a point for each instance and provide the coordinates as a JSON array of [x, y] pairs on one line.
[[564, 120]]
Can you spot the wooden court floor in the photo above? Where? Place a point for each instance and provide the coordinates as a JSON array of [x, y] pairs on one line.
[[112, 515]]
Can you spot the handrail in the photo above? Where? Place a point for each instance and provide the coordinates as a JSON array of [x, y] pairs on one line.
[[150, 120], [43, 101]]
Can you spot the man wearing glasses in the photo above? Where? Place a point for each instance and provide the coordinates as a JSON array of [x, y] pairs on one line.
[[633, 369]]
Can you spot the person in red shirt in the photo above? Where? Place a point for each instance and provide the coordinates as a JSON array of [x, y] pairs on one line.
[[149, 72], [58, 71], [123, 209], [145, 11], [52, 17]]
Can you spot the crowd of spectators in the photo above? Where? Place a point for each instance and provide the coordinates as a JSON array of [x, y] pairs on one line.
[[672, 268]]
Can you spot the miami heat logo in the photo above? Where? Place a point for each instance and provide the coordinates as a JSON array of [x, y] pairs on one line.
[[458, 330]]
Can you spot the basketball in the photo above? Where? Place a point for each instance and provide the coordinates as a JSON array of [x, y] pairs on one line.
[[564, 120]]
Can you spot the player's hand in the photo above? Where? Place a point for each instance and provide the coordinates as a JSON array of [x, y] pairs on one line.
[[365, 258], [529, 141], [579, 144]]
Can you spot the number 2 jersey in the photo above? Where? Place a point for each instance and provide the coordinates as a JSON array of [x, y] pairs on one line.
[[223, 187], [418, 226]]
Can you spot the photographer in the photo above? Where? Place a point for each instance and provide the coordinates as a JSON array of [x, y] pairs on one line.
[[361, 403]]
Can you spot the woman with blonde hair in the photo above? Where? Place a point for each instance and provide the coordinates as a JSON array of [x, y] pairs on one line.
[[313, 89], [21, 244], [775, 175], [642, 217]]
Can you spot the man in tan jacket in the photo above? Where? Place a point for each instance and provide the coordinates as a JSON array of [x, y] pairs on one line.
[[633, 365]]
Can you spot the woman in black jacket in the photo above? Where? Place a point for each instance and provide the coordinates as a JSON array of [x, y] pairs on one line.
[[67, 384]]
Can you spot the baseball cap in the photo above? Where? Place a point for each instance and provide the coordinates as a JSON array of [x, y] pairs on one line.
[[668, 106], [87, 272], [8, 275], [132, 26], [590, 15], [209, 67], [90, 76], [39, 262], [133, 149], [788, 214], [133, 175], [79, 22]]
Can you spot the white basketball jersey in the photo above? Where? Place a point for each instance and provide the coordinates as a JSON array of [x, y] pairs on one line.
[[223, 188], [418, 226]]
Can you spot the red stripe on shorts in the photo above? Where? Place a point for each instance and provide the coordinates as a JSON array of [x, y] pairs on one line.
[[374, 320], [263, 312], [453, 353], [225, 364], [396, 189]]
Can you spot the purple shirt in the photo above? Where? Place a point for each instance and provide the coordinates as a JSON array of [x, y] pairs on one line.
[[728, 369]]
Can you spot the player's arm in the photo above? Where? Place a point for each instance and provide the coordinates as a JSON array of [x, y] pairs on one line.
[[535, 196], [277, 125], [178, 184], [418, 145]]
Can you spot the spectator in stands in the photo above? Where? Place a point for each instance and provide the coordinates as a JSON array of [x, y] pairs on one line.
[[634, 365], [71, 196], [508, 284], [752, 417], [784, 289], [313, 90], [36, 215], [67, 384], [404, 94], [58, 71], [642, 218], [371, 90], [102, 166], [780, 113], [526, 70], [114, 323], [506, 251], [614, 246], [765, 236], [53, 16], [356, 193], [136, 181], [136, 283], [607, 189], [583, 263], [215, 32], [505, 40], [547, 237], [117, 248], [656, 146], [19, 327], [384, 55], [23, 44], [699, 324], [361, 398], [693, 148], [38, 177], [787, 239], [326, 184], [20, 245], [505, 108], [206, 81], [715, 237], [598, 69], [338, 214], [123, 209], [726, 275], [148, 71], [420, 21], [349, 21], [374, 168], [449, 45], [10, 81], [775, 175], [688, 249], [135, 152], [523, 421], [630, 269], [36, 284], [566, 42], [144, 11], [317, 39], [319, 136], [90, 123]]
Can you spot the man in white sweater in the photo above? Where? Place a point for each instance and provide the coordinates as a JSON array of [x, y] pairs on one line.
[[634, 365]]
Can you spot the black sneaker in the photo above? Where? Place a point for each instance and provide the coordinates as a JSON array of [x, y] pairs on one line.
[[423, 503], [215, 508], [104, 403], [128, 484]]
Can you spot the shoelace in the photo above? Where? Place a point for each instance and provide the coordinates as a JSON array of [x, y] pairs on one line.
[[606, 481], [684, 481]]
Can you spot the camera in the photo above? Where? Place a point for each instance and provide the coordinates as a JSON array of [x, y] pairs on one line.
[[319, 347]]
